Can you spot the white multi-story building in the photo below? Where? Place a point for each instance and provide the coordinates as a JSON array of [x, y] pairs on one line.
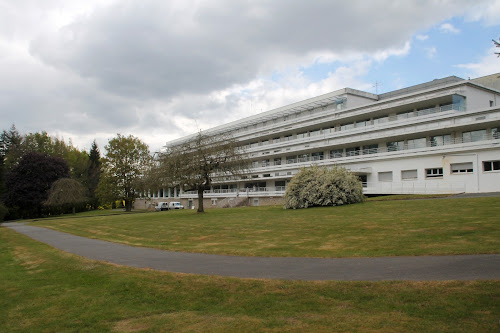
[[441, 136]]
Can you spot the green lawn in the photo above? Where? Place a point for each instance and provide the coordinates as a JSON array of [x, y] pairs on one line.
[[374, 228], [46, 290]]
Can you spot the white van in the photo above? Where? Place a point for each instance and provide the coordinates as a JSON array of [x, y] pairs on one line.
[[161, 206], [175, 205]]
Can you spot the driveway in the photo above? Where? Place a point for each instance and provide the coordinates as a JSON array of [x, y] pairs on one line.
[[424, 268]]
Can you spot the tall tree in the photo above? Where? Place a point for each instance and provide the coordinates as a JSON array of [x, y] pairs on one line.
[[29, 181], [11, 146], [195, 164], [127, 159], [66, 191], [93, 174]]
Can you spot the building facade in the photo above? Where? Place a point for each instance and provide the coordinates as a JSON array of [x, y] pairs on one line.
[[441, 136]]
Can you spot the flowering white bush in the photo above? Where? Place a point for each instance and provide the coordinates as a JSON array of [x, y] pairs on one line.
[[321, 186]]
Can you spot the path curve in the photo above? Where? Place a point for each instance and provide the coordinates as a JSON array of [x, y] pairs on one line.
[[424, 268]]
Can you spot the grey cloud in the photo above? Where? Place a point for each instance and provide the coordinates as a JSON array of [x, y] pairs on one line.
[[146, 49]]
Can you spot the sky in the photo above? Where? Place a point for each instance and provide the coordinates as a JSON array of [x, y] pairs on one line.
[[160, 70]]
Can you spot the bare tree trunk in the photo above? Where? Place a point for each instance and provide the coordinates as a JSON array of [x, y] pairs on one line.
[[201, 189]]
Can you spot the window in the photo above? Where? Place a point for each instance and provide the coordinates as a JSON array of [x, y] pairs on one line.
[[491, 166], [287, 137], [492, 104], [318, 156], [461, 167], [336, 153], [385, 176], [255, 164], [303, 158], [264, 142], [363, 123], [276, 140], [291, 159], [265, 163], [395, 145], [254, 144], [302, 135], [277, 161], [440, 140], [495, 133], [353, 151], [473, 136], [434, 173], [346, 126], [256, 201], [417, 143], [380, 120], [266, 175], [404, 115], [315, 132], [214, 202], [280, 185], [409, 174], [370, 149]]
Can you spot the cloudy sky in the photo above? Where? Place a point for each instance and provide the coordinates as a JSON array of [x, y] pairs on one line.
[[163, 69]]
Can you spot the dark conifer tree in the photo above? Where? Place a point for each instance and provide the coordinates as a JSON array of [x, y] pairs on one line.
[[93, 174]]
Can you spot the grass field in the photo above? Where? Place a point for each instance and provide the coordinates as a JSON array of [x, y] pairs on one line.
[[383, 228], [46, 290]]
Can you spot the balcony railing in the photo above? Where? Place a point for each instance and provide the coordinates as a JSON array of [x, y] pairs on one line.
[[369, 151], [413, 114]]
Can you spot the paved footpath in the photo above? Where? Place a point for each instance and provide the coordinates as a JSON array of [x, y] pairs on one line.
[[424, 268]]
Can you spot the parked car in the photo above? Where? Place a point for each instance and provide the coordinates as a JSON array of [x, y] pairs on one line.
[[161, 206], [175, 205]]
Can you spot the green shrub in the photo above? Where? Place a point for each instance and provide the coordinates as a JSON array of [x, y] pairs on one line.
[[321, 186]]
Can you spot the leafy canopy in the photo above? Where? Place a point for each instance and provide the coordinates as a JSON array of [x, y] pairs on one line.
[[30, 180], [127, 160]]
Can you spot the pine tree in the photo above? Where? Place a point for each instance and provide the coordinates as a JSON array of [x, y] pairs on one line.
[[93, 174]]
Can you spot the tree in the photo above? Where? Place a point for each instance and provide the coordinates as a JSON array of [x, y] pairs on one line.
[[11, 146], [197, 163], [3, 209], [29, 181], [93, 174], [66, 191], [321, 186], [127, 159]]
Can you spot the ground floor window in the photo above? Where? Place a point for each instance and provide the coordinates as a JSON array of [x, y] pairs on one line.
[[409, 174], [434, 173], [462, 167], [491, 165], [214, 202], [256, 201], [385, 176]]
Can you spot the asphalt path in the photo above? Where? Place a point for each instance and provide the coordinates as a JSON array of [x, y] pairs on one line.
[[422, 268]]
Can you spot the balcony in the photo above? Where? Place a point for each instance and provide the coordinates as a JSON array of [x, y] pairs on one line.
[[254, 147], [403, 149]]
